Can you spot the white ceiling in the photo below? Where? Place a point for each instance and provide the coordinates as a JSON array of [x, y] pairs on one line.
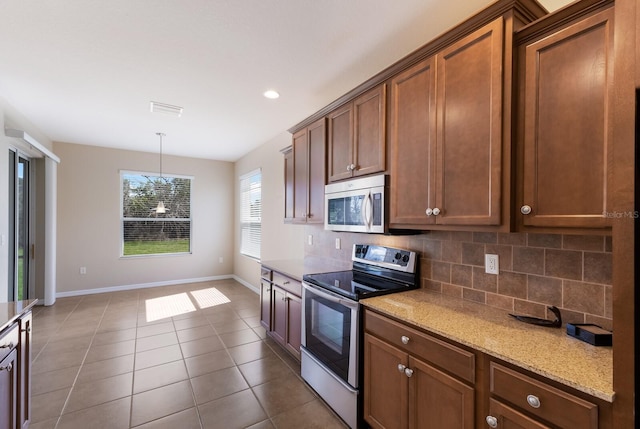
[[84, 71]]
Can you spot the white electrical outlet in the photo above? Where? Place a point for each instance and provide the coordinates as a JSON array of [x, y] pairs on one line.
[[491, 264], [337, 243], [83, 270], [310, 240]]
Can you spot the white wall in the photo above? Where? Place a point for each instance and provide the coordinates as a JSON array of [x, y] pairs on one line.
[[279, 240], [89, 232]]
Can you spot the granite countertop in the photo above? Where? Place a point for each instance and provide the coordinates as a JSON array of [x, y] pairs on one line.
[[296, 268], [545, 351], [11, 311]]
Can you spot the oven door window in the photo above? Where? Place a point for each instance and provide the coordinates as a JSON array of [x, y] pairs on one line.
[[328, 333]]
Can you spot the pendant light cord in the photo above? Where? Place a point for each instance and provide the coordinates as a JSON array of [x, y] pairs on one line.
[[161, 135]]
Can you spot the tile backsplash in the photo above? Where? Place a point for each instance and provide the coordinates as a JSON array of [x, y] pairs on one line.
[[572, 272]]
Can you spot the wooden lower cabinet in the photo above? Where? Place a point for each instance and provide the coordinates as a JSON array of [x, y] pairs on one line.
[[24, 375], [505, 417], [405, 391], [9, 391], [281, 310]]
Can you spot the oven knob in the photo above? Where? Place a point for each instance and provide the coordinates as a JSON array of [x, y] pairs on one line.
[[398, 256], [405, 258]]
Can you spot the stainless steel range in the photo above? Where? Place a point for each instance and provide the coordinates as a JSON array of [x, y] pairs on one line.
[[331, 322]]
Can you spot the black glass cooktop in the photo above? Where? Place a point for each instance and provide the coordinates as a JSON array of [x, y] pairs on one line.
[[357, 285]]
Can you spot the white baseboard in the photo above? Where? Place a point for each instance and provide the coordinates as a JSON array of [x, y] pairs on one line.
[[156, 284]]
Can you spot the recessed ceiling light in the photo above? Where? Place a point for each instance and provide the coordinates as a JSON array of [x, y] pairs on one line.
[[169, 109], [272, 94]]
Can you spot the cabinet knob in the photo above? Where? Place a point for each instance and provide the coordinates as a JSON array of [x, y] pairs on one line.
[[408, 372], [534, 401], [401, 367], [525, 210], [7, 368], [7, 346], [404, 339], [27, 330], [429, 211], [436, 211], [348, 167], [353, 167], [492, 421]]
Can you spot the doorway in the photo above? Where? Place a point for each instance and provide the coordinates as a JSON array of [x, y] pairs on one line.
[[20, 249]]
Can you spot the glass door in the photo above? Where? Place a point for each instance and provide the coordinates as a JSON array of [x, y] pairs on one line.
[[19, 221]]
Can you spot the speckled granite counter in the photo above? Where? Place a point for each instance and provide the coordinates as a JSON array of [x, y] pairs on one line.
[[11, 311], [548, 352], [296, 268]]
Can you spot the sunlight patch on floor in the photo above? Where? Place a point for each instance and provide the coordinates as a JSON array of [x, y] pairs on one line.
[[209, 297], [168, 306], [175, 305]]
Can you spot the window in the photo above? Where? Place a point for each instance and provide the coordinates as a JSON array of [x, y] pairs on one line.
[[251, 213], [146, 232]]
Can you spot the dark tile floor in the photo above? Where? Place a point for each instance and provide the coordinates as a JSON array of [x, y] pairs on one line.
[[190, 356]]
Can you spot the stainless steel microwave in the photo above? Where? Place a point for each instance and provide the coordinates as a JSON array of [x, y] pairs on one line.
[[356, 205]]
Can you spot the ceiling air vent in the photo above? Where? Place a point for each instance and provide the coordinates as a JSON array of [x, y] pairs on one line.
[[167, 109]]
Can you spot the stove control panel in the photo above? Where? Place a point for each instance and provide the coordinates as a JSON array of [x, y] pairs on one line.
[[373, 254]]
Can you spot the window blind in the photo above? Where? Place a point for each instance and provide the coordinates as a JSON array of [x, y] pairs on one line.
[[251, 213]]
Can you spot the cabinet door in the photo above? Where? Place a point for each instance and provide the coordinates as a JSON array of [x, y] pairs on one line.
[[469, 110], [385, 386], [340, 144], [288, 185], [265, 304], [294, 324], [508, 418], [317, 171], [412, 140], [369, 149], [437, 400], [568, 78], [279, 315], [24, 373], [300, 176], [9, 391]]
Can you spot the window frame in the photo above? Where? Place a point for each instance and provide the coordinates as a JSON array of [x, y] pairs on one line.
[[122, 174], [248, 252]]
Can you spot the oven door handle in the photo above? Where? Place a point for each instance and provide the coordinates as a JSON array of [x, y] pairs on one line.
[[330, 297]]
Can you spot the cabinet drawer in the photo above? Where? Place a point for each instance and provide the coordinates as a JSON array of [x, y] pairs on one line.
[[265, 273], [538, 398], [288, 284], [440, 353], [9, 340]]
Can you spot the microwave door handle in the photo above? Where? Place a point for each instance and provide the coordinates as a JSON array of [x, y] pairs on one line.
[[367, 207]]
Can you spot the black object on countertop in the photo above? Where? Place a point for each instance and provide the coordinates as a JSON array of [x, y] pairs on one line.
[[542, 322], [590, 333]]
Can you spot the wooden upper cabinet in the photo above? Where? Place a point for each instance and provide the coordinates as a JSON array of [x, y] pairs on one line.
[[446, 128], [357, 136], [567, 79], [469, 128], [412, 137], [309, 148], [288, 183]]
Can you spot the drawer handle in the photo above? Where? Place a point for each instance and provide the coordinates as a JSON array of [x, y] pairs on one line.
[[27, 330], [534, 401], [404, 339], [401, 367], [7, 368], [7, 346], [408, 372], [492, 421], [286, 282]]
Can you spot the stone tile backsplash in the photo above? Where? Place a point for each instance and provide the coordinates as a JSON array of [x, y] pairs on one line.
[[572, 272]]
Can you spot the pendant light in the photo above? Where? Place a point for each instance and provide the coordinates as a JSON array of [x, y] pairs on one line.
[[160, 209]]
